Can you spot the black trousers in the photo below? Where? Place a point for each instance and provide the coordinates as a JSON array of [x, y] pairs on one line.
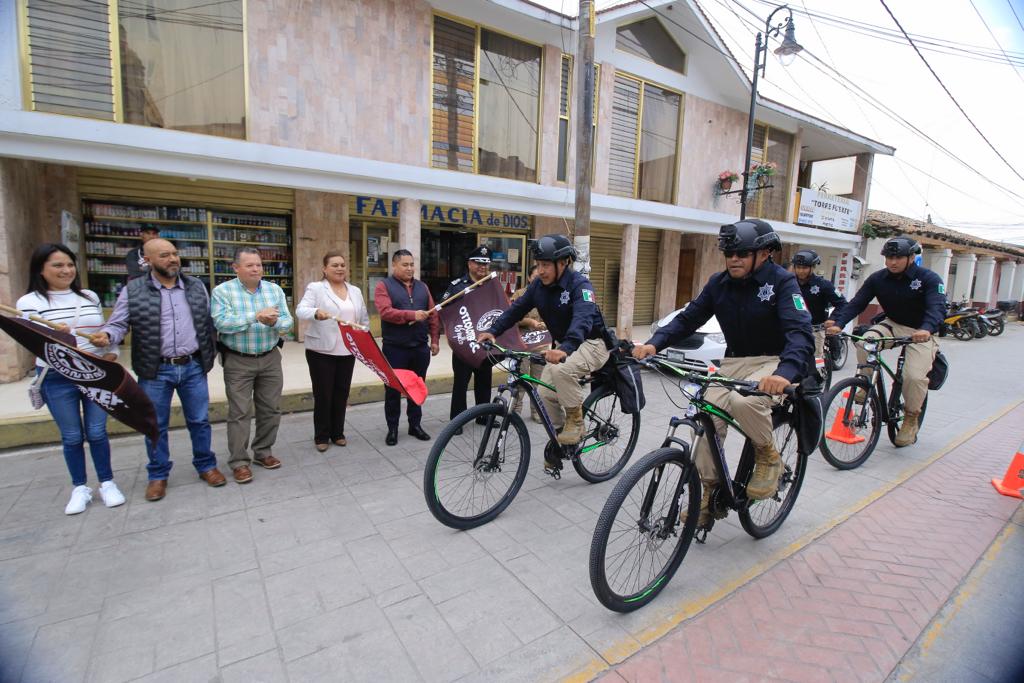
[[331, 377], [481, 384], [416, 359]]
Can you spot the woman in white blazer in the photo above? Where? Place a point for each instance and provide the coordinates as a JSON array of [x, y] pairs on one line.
[[330, 363]]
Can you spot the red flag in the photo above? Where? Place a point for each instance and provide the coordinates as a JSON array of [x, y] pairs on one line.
[[362, 345], [105, 382], [475, 312]]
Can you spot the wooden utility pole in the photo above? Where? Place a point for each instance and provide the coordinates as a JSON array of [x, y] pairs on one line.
[[584, 131]]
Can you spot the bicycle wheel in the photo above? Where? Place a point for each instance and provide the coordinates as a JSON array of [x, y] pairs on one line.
[[840, 356], [851, 434], [761, 518], [826, 374], [639, 543], [893, 425], [609, 437], [471, 477]]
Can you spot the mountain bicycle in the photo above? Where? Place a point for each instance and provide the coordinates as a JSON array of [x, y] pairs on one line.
[[479, 461], [639, 541], [853, 425]]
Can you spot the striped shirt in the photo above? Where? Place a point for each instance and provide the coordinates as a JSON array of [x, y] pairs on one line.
[[234, 309], [64, 307]]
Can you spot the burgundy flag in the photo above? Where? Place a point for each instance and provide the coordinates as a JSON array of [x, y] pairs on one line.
[[475, 312], [105, 382], [362, 345]]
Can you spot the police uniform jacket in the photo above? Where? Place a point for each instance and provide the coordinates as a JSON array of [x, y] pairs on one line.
[[567, 307], [761, 315], [820, 295], [915, 298], [456, 286]]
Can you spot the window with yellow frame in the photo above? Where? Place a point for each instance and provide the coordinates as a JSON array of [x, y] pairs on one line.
[[771, 145], [565, 133]]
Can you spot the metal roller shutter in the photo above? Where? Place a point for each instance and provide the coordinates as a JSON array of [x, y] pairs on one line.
[[646, 276], [605, 258], [146, 188]]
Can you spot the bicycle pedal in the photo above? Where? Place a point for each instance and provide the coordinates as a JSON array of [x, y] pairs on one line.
[[553, 472], [701, 535]]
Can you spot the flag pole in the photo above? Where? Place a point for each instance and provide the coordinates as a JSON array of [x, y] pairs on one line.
[[348, 323], [467, 290], [36, 319]]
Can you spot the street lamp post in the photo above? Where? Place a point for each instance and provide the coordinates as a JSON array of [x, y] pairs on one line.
[[787, 53]]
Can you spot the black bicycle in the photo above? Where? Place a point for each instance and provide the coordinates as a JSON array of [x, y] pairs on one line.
[[857, 406], [639, 541], [479, 461]]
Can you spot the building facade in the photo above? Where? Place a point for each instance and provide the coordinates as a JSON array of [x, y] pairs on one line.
[[369, 125]]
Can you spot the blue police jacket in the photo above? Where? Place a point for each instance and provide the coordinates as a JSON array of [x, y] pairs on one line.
[[820, 295], [763, 314], [567, 307], [915, 298]]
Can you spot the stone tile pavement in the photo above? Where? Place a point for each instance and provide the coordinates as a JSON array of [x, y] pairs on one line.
[[331, 568]]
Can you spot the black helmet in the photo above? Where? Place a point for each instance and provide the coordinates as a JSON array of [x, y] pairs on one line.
[[748, 235], [900, 246], [553, 248], [806, 257]]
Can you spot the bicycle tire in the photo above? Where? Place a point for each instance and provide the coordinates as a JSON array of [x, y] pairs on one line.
[[463, 456], [844, 353], [598, 412], [826, 374], [624, 599], [752, 516], [837, 453], [892, 427]]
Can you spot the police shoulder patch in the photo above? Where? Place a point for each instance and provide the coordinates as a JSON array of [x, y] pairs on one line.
[[942, 288], [587, 294], [798, 302]]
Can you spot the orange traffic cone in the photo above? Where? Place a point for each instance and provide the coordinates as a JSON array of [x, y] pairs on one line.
[[841, 432], [1013, 480]]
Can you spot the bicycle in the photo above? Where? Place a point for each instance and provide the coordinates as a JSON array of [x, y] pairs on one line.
[[854, 427], [639, 541], [838, 351], [476, 467]]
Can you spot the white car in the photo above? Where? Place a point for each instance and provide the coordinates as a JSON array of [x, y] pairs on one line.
[[704, 347]]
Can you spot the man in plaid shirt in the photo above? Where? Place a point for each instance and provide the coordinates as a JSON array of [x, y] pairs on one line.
[[251, 314]]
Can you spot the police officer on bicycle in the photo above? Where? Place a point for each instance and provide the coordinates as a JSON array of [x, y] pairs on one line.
[[565, 301], [768, 335], [478, 266], [913, 300], [819, 294]]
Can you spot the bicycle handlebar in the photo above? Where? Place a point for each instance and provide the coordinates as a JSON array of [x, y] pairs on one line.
[[895, 341], [742, 386], [537, 358]]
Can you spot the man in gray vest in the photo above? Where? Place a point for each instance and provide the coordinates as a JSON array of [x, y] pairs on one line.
[[172, 349]]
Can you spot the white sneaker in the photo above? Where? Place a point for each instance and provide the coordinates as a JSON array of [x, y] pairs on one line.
[[80, 497], [112, 496]]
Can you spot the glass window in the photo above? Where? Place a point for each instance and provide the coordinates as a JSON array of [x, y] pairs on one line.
[[625, 112], [564, 133], [182, 65], [658, 142], [772, 145], [509, 102], [453, 103], [649, 39]]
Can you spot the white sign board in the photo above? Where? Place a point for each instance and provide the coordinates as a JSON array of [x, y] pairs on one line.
[[824, 210]]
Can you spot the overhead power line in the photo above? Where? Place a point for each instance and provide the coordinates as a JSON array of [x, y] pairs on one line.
[[994, 39]]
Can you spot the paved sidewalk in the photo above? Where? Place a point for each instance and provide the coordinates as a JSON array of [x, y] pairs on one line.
[[850, 605]]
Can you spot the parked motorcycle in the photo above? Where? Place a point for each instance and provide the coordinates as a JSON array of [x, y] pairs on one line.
[[994, 321], [961, 321]]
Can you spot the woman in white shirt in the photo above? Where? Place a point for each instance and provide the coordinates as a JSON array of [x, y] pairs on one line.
[[55, 294], [330, 363]]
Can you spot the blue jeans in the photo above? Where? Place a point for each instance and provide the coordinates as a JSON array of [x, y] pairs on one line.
[[190, 382], [68, 404]]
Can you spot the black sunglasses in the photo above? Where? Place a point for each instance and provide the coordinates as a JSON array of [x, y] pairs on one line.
[[742, 253]]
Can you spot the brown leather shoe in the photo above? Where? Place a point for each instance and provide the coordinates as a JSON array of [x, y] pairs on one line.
[[268, 463], [340, 441], [243, 475], [321, 447], [156, 489], [213, 477]]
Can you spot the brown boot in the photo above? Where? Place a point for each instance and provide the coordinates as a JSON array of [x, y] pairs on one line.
[[860, 397], [908, 430], [156, 490], [764, 482], [572, 432], [706, 487]]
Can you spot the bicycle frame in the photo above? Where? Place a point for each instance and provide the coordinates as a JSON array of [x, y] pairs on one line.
[[876, 382]]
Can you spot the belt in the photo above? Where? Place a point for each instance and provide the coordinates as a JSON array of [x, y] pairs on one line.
[[230, 350], [180, 360]]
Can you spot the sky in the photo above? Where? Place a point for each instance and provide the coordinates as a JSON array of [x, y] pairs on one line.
[[848, 73]]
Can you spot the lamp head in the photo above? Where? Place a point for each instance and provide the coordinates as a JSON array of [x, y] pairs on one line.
[[787, 51]]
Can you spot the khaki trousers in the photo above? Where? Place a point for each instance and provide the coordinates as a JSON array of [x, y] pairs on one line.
[[918, 363], [752, 413], [248, 383], [819, 343], [565, 378]]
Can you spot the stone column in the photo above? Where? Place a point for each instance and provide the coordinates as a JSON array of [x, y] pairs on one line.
[[668, 273], [627, 281], [986, 270], [409, 229], [1007, 273], [321, 225], [939, 260], [1017, 293], [964, 277]]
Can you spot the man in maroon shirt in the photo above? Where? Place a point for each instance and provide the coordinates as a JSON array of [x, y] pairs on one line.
[[407, 320]]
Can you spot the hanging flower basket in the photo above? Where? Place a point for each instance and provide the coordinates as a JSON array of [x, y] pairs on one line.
[[726, 179]]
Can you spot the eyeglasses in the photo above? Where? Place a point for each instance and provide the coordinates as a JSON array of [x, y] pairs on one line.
[[741, 253]]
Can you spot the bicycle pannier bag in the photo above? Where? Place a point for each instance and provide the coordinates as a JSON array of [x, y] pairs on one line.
[[940, 370], [628, 385]]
